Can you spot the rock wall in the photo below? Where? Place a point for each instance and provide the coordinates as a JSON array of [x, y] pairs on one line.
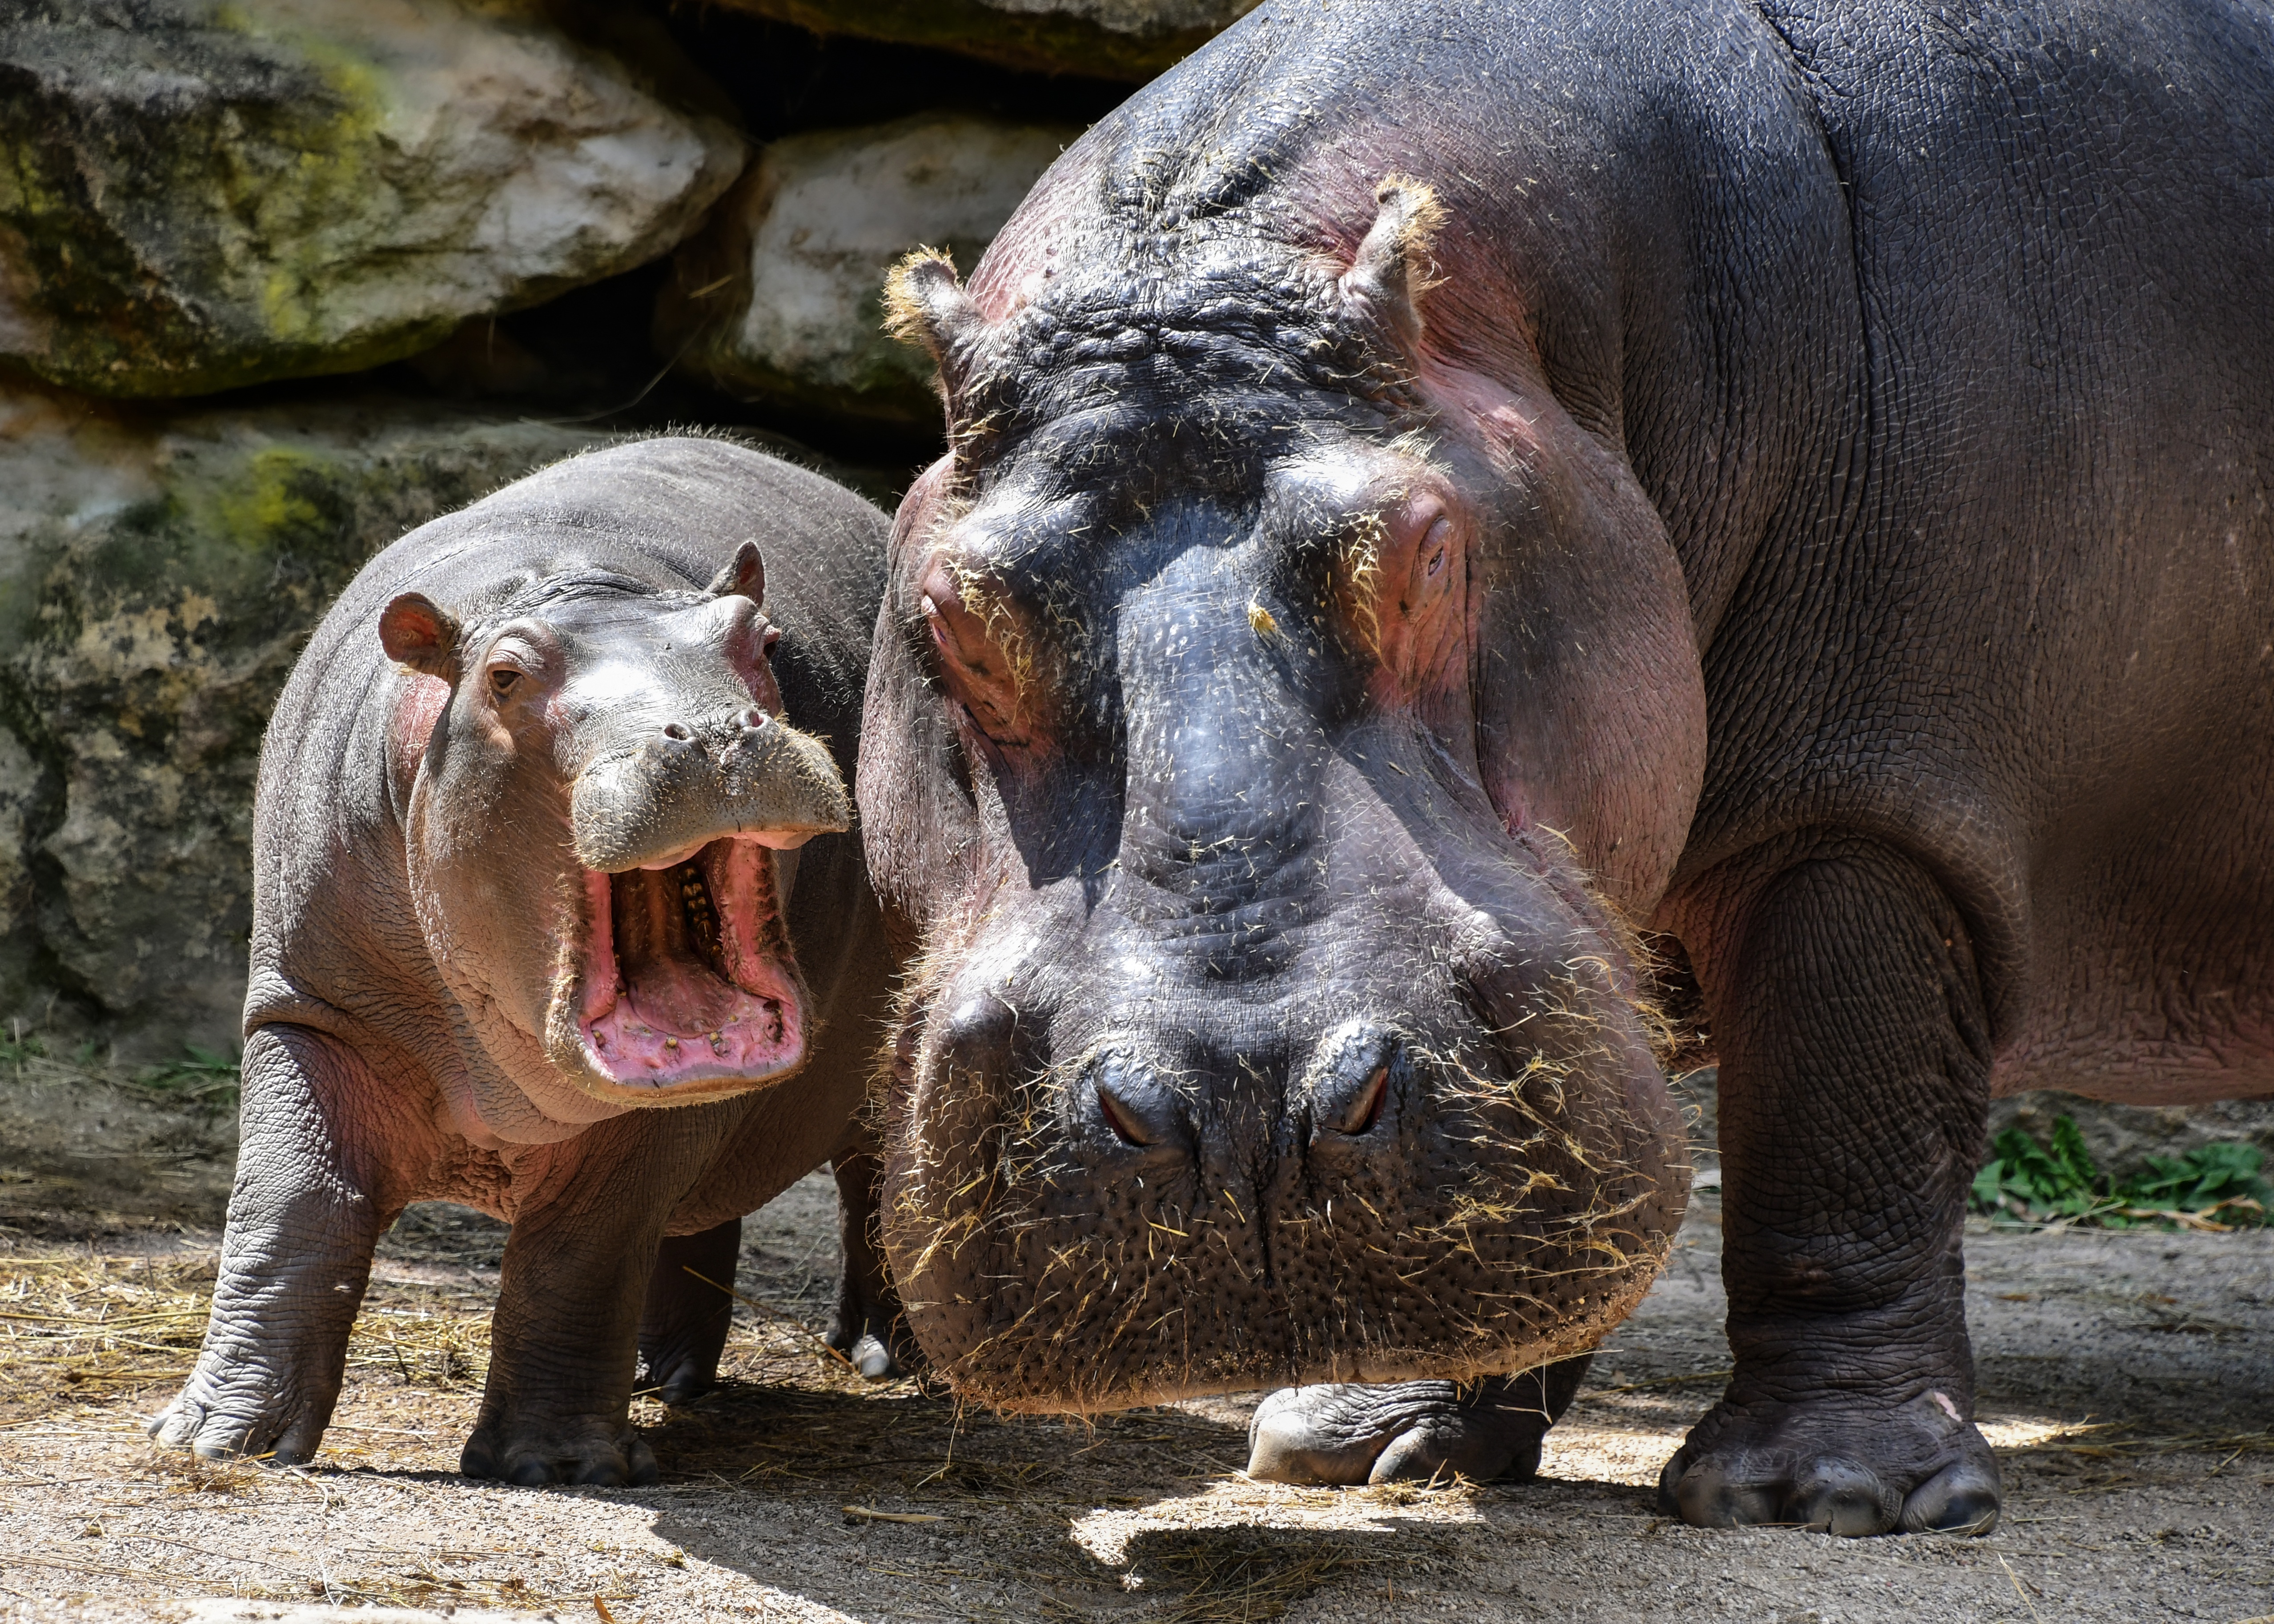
[[158, 573], [280, 279]]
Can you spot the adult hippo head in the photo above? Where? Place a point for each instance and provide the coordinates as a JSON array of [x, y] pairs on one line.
[[1278, 713], [602, 783]]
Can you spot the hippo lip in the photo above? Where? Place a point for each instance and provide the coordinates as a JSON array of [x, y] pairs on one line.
[[688, 978]]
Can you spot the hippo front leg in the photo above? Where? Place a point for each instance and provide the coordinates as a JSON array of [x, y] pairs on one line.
[[304, 1217], [1344, 1432], [564, 1341], [1855, 1065]]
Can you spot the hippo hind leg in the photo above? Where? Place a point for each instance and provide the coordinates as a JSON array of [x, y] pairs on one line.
[[683, 1323], [1347, 1433], [1855, 1065], [871, 1331]]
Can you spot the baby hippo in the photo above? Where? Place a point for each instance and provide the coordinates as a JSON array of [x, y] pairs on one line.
[[528, 817]]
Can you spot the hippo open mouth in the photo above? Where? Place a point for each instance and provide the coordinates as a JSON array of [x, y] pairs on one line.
[[687, 973]]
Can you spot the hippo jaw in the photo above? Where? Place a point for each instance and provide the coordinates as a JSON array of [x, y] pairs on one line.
[[681, 985]]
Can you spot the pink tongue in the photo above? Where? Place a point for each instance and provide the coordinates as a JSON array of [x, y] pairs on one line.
[[666, 973]]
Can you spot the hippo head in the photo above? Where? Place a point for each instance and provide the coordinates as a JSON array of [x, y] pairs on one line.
[[592, 831], [1271, 729]]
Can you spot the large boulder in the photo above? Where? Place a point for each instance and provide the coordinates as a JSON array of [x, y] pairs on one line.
[[198, 194], [781, 295], [1111, 39], [158, 574]]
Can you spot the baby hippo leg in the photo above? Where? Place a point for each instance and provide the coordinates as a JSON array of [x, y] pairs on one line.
[[309, 1205]]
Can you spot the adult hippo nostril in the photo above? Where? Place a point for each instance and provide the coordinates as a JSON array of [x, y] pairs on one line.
[[1351, 1087], [678, 733], [1141, 1112], [1366, 1109], [754, 719]]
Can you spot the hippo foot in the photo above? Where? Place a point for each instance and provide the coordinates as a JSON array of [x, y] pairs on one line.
[[1428, 1430], [590, 1451], [245, 1414], [1838, 1466], [872, 1332], [682, 1372], [880, 1354]]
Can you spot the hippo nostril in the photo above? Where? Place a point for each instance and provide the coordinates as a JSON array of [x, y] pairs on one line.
[[1120, 1117], [755, 718], [677, 732], [1366, 1110]]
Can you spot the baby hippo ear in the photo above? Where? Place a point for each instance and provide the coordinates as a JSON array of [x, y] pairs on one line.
[[415, 633], [1394, 267], [744, 574]]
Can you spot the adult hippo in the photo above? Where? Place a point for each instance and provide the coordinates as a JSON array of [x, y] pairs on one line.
[[1433, 486], [531, 848]]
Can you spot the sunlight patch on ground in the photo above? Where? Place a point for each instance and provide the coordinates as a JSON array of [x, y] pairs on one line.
[[1238, 1501]]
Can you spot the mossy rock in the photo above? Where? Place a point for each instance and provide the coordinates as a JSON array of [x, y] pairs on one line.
[[199, 194], [781, 295], [158, 574], [1108, 39]]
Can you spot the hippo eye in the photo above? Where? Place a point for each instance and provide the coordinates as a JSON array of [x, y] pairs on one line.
[[502, 679]]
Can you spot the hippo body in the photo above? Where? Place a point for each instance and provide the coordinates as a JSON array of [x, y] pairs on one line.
[[520, 887], [1440, 489]]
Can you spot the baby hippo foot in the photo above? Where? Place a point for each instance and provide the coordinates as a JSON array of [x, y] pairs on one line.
[[688, 1312], [1347, 1433], [530, 1454], [233, 1408], [1838, 1466]]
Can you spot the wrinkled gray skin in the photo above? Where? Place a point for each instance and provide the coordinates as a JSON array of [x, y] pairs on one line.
[[585, 690], [1432, 481]]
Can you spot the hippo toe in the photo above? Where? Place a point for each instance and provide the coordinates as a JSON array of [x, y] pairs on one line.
[[1851, 1469], [530, 1455], [1341, 1434]]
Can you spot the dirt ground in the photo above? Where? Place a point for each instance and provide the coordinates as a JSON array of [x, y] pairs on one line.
[[2127, 1382]]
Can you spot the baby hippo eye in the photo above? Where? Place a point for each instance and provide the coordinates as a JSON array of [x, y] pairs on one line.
[[502, 679]]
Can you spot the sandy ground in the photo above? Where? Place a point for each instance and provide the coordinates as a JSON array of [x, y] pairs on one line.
[[2128, 1380]]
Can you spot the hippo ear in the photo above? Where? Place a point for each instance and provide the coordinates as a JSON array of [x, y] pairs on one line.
[[1394, 267], [744, 574], [925, 304], [415, 633]]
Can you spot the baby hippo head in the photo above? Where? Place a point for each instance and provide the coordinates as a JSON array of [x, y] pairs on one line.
[[597, 821]]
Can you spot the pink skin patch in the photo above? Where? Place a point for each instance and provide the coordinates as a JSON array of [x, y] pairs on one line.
[[750, 1026]]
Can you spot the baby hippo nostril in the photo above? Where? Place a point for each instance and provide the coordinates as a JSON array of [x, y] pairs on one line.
[[754, 719], [677, 732]]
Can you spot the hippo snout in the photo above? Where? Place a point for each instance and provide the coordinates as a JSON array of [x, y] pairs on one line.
[[747, 774]]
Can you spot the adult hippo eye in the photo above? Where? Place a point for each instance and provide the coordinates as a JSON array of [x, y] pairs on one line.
[[1438, 534], [502, 680]]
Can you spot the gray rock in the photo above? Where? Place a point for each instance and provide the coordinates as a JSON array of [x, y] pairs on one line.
[[198, 194], [1112, 39], [158, 573], [781, 295]]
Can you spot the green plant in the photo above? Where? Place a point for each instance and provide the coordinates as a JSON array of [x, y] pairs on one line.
[[17, 1045], [2211, 1187], [201, 1074]]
